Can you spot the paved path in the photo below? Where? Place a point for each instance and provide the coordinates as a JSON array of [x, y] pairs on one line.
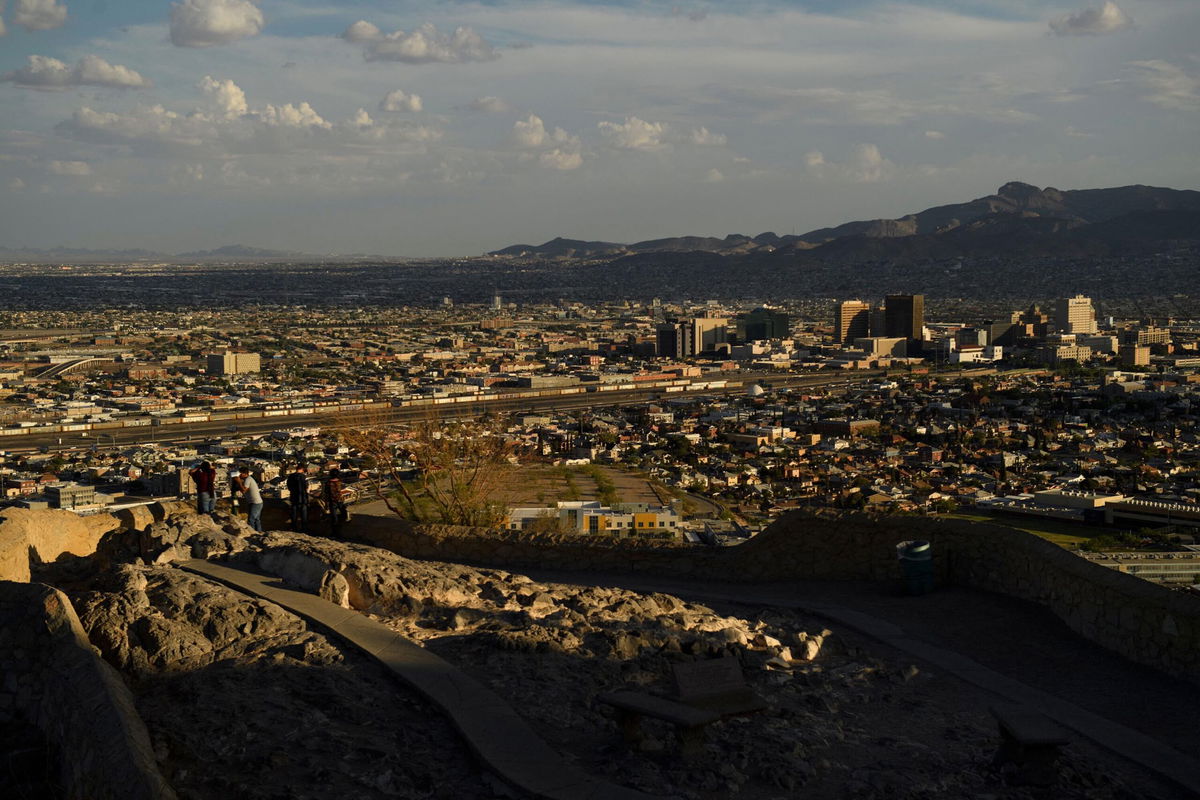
[[498, 736], [934, 614]]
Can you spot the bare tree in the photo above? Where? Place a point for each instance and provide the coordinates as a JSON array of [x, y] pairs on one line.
[[435, 470]]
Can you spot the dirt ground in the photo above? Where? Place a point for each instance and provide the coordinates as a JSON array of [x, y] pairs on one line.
[[544, 485]]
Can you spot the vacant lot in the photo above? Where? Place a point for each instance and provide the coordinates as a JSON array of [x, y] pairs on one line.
[[544, 485], [1064, 534]]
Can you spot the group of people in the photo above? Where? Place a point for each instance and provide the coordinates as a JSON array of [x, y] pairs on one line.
[[244, 485]]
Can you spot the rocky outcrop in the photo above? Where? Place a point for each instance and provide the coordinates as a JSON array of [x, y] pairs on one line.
[[44, 535], [840, 721], [53, 679], [242, 699], [149, 619], [1142, 621]]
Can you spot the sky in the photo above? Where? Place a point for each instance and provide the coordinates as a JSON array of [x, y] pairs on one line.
[[452, 128]]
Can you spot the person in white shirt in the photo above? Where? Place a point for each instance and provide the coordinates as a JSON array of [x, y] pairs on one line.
[[252, 497]]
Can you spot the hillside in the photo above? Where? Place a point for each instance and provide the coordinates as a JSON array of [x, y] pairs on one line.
[[1017, 219]]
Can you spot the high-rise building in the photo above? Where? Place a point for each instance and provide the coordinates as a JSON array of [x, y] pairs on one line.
[[904, 316], [763, 323], [852, 321], [1135, 355], [233, 362], [1075, 315], [1148, 335], [708, 332], [674, 340]]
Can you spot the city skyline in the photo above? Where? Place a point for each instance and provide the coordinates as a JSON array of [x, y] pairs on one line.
[[451, 129]]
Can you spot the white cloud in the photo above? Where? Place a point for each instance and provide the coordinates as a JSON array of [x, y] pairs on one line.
[[1168, 86], [74, 169], [714, 175], [703, 137], [399, 100], [491, 105], [529, 132], [39, 15], [424, 45], [204, 23], [635, 134], [3, 31], [227, 96], [16, 184], [934, 135], [296, 116], [43, 72], [560, 150], [558, 158], [361, 32], [866, 165], [1108, 18], [227, 124]]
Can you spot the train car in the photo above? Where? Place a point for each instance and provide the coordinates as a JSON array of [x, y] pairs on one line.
[[673, 389], [14, 431], [276, 412], [135, 422]]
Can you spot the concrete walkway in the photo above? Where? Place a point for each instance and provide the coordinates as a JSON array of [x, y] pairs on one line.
[[1122, 740], [498, 735]]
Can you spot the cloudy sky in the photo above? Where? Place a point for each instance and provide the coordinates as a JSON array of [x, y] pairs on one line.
[[455, 127]]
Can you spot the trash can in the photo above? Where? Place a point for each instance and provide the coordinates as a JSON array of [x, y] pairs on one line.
[[916, 566]]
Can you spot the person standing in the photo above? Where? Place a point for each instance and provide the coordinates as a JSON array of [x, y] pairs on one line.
[[297, 486], [335, 505], [235, 491], [205, 478], [252, 497]]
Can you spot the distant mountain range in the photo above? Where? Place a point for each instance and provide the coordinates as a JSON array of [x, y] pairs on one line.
[[229, 253], [1019, 219]]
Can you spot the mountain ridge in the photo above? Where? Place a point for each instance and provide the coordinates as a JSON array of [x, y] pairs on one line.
[[1020, 210]]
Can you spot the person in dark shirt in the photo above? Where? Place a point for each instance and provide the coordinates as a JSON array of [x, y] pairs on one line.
[[297, 486], [205, 478], [335, 505]]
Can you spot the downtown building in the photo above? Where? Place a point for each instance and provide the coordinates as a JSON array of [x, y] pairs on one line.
[[233, 362], [1075, 315]]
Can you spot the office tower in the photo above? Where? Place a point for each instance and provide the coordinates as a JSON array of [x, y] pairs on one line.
[[877, 325], [1135, 355], [1004, 334], [708, 332], [233, 362], [904, 316], [1075, 315], [674, 340], [496, 303], [763, 323], [853, 321]]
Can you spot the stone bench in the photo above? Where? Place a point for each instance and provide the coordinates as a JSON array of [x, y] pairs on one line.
[[717, 685], [1030, 741], [705, 690], [632, 706]]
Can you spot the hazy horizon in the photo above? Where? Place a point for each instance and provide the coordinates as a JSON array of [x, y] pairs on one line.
[[447, 129]]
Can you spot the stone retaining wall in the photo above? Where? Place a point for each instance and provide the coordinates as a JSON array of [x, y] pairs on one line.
[[51, 677], [1142, 621]]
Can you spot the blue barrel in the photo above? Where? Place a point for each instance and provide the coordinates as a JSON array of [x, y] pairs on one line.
[[916, 566]]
